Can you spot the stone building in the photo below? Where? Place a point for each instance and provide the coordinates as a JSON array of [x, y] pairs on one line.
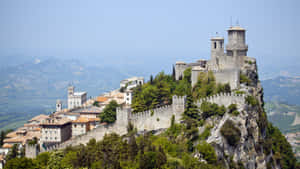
[[75, 99], [55, 130], [225, 66], [131, 82], [80, 126]]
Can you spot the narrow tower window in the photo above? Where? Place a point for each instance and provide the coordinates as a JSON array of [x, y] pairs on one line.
[[215, 45]]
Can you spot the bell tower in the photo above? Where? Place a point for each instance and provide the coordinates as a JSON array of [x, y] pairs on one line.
[[58, 105]]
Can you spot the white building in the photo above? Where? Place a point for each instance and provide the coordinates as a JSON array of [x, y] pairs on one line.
[[131, 82], [75, 99]]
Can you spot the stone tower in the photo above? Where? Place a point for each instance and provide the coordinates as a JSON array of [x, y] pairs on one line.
[[58, 105], [71, 91], [217, 50], [236, 47]]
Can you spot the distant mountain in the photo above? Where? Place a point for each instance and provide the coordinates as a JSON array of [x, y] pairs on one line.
[[282, 89], [33, 87]]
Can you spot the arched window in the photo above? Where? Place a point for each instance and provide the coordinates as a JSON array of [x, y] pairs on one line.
[[215, 45]]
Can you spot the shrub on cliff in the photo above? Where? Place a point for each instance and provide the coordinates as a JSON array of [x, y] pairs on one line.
[[210, 109], [231, 133], [208, 152]]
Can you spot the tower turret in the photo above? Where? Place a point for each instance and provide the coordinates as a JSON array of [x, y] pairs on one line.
[[236, 47], [236, 42], [217, 49]]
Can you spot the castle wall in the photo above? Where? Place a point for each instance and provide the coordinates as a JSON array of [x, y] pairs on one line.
[[225, 99], [149, 120], [231, 76], [31, 151]]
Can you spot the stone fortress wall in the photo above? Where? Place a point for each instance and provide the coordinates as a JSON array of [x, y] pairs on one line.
[[159, 118], [155, 119], [225, 99]]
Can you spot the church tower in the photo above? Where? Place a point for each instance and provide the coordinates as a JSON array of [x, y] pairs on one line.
[[58, 105], [70, 91], [236, 47]]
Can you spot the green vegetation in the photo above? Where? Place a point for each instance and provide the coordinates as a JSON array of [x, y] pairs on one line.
[[13, 152], [159, 91], [208, 152], [207, 86], [168, 150], [210, 109], [109, 113], [231, 133], [232, 109], [251, 100], [282, 150], [3, 134], [240, 92], [244, 79]]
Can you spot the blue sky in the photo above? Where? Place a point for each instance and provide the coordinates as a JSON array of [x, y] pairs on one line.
[[143, 29]]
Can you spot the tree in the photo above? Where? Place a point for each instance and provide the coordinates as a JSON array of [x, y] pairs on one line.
[[42, 159], [132, 147], [2, 137], [191, 109], [13, 153], [173, 73], [109, 113], [20, 163]]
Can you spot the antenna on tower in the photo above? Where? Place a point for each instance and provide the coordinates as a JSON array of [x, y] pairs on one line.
[[230, 21], [237, 22]]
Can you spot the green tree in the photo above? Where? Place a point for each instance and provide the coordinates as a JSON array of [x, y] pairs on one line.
[[13, 153], [109, 113], [191, 109], [20, 163], [42, 159]]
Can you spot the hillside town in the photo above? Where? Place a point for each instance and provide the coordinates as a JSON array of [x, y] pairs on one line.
[[79, 117]]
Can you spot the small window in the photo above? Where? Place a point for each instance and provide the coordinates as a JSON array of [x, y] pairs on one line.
[[221, 44], [46, 138], [55, 138], [75, 125], [215, 45]]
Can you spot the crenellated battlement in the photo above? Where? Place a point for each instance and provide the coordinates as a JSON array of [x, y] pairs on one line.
[[224, 99]]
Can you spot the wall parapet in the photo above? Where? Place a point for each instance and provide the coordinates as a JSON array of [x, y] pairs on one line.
[[224, 99]]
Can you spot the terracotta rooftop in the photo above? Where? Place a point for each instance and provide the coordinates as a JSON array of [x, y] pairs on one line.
[[101, 99], [93, 119], [81, 120], [7, 145], [22, 139], [39, 118], [55, 121], [90, 109], [11, 134]]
